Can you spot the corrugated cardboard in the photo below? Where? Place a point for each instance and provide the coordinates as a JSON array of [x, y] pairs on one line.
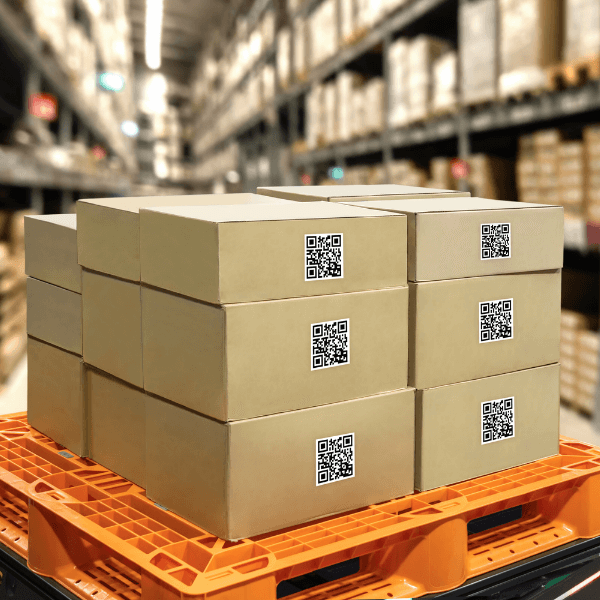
[[112, 326], [258, 475], [54, 315], [241, 361], [229, 254], [447, 238], [108, 237], [56, 400], [117, 426], [356, 193], [451, 438], [51, 250], [444, 324]]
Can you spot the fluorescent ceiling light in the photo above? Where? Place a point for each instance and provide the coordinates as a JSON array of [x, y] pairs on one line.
[[154, 19]]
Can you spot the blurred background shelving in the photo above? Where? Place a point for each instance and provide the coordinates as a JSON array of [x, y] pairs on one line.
[[498, 97]]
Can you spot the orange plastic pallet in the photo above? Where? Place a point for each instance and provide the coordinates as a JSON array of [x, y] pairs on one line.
[[100, 537]]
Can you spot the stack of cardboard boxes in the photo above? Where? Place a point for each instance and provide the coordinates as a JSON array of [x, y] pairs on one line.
[[247, 358], [591, 140], [484, 328]]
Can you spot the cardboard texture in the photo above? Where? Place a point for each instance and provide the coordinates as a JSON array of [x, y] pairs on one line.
[[446, 327], [117, 426], [448, 238], [51, 250], [450, 427], [54, 315], [108, 237], [56, 399], [230, 254], [260, 475], [112, 326], [246, 360], [342, 193]]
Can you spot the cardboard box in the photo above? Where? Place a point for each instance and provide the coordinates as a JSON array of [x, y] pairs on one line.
[[112, 326], [51, 250], [240, 482], [56, 400], [241, 361], [117, 426], [355, 193], [456, 434], [231, 254], [449, 238], [453, 335], [108, 237], [54, 315]]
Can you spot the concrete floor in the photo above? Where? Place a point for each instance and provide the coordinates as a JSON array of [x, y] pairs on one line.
[[14, 399]]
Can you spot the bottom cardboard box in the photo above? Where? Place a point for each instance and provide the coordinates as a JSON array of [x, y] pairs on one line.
[[477, 427], [117, 425], [245, 478], [56, 404]]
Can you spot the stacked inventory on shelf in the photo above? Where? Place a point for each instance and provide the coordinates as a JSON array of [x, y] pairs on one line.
[[579, 360], [478, 382]]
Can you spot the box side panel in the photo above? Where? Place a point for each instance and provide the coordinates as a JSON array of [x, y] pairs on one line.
[[54, 315], [183, 352], [55, 399]]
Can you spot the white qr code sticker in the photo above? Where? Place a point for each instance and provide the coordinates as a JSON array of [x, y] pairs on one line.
[[323, 256], [497, 420], [330, 344], [335, 458], [496, 320], [495, 241]]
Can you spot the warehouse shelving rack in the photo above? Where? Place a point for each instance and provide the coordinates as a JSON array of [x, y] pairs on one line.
[[20, 169]]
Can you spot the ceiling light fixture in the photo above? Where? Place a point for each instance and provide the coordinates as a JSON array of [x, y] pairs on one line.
[[154, 20]]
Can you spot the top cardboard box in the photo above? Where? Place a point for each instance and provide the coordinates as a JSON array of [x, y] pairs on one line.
[[231, 254], [343, 193], [51, 250], [452, 238], [108, 236]]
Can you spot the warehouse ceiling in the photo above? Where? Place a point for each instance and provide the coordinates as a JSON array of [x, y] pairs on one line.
[[188, 25]]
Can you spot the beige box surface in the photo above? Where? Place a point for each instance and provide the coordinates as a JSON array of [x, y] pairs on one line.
[[259, 475], [117, 426], [56, 399], [453, 237], [463, 329], [51, 250], [241, 361], [112, 326], [457, 434], [54, 315], [108, 236], [230, 254], [349, 193]]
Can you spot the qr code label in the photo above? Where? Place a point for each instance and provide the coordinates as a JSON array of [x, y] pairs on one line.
[[330, 343], [495, 241], [323, 256], [497, 420], [335, 458], [495, 320]]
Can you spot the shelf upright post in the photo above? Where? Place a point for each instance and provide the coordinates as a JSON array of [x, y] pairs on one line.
[[36, 201], [294, 121], [66, 201], [386, 137], [462, 119], [65, 126], [33, 85]]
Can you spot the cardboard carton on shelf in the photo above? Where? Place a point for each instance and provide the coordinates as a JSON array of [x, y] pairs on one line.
[[462, 329], [231, 254], [56, 404], [240, 361], [478, 427], [355, 193], [108, 229], [116, 425], [458, 237], [259, 475]]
